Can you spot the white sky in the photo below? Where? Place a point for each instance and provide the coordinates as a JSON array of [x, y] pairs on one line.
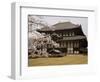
[[76, 20]]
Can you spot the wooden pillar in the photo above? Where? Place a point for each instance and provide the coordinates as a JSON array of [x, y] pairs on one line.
[[71, 47]]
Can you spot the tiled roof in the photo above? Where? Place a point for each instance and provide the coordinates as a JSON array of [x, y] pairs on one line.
[[79, 37], [60, 26], [65, 25]]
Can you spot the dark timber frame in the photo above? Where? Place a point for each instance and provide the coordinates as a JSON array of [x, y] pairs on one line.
[[71, 40]]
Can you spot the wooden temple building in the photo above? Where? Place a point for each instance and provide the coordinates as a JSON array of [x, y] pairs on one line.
[[69, 36]]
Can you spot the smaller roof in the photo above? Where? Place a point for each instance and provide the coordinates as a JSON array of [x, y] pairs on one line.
[[55, 51], [46, 28]]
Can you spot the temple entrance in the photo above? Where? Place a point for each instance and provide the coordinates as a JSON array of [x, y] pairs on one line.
[[73, 47], [70, 48]]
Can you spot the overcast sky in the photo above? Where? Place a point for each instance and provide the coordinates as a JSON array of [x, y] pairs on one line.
[[51, 20]]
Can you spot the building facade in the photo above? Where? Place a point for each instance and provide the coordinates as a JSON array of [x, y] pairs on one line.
[[69, 36]]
